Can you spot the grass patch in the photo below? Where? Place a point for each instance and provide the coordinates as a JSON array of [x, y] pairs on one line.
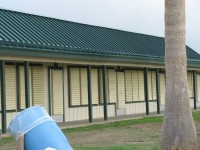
[[157, 119], [6, 140], [153, 146], [196, 116]]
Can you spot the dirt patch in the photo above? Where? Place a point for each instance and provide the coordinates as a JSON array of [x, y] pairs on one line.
[[140, 133]]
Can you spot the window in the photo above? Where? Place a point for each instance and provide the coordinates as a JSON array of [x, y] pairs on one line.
[[152, 85], [36, 83], [10, 80], [134, 85], [110, 85], [79, 87], [190, 84], [36, 86], [10, 83], [162, 88]]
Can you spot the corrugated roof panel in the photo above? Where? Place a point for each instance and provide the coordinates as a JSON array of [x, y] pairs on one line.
[[20, 29]]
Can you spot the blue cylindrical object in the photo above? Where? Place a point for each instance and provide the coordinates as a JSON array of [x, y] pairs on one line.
[[39, 129]]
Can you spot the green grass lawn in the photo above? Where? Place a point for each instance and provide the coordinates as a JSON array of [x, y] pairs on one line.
[[135, 134]]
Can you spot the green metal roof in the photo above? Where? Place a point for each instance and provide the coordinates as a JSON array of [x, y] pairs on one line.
[[43, 35]]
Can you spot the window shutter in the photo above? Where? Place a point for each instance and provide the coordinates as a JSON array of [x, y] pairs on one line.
[[121, 90], [21, 87], [150, 90], [75, 86], [128, 86], [37, 86], [84, 86], [10, 79], [107, 86], [153, 82], [162, 88], [57, 92], [94, 78], [101, 85], [112, 85], [190, 84], [141, 85], [135, 85], [198, 86]]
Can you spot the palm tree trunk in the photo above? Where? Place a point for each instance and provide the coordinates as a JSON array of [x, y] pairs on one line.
[[178, 131]]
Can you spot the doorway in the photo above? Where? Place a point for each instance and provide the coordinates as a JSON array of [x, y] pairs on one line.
[[56, 94]]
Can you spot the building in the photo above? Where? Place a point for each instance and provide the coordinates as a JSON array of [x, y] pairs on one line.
[[82, 72]]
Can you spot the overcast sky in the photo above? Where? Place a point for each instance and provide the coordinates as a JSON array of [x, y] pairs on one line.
[[141, 16]]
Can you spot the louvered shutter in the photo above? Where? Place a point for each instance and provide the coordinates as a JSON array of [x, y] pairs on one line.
[[94, 79], [128, 86], [107, 86], [84, 86], [21, 87], [101, 85], [190, 84], [112, 85], [57, 92], [10, 80], [135, 85], [162, 88], [198, 87], [121, 90], [150, 90], [37, 85], [75, 86], [141, 85], [153, 82], [30, 86]]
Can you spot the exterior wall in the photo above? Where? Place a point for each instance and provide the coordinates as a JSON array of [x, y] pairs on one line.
[[125, 89], [153, 106], [135, 108], [9, 117]]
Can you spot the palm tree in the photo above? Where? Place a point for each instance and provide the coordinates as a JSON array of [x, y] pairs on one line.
[[179, 130]]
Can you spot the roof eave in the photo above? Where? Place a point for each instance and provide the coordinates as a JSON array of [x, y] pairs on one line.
[[76, 55], [19, 51]]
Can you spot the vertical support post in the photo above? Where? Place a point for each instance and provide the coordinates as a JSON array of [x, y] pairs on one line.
[[3, 97], [89, 93], [50, 89], [27, 88], [17, 88], [105, 94], [146, 92], [195, 88], [158, 90]]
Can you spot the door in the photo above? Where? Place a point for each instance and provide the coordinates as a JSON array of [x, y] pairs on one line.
[[56, 93], [120, 94]]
